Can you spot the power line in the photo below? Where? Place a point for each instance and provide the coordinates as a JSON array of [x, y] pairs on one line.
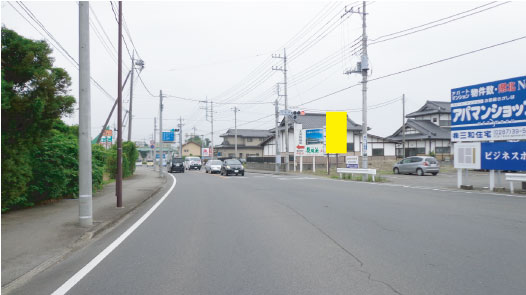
[[372, 107], [414, 68], [440, 24], [57, 45]]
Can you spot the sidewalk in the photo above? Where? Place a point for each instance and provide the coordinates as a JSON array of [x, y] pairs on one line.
[[36, 238]]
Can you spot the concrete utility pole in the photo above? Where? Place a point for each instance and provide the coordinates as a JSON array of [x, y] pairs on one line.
[[235, 109], [403, 125], [180, 125], [156, 146], [284, 70], [362, 68], [119, 114], [212, 122], [161, 133], [365, 67], [111, 112], [131, 97], [278, 154], [85, 184]]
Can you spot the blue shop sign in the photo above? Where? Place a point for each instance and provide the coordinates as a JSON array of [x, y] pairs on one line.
[[503, 155]]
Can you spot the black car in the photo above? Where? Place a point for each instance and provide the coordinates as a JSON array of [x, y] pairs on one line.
[[232, 166], [177, 165]]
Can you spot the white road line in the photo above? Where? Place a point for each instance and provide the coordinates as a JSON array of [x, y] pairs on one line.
[[95, 261], [431, 188]]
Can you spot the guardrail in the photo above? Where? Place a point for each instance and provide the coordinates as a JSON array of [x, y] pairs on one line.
[[353, 171], [511, 177]]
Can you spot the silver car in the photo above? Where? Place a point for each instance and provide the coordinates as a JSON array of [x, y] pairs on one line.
[[419, 165], [213, 166]]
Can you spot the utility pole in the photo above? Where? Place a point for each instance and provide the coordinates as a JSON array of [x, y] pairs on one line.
[[284, 70], [119, 114], [362, 68], [156, 146], [161, 133], [131, 97], [235, 109], [85, 183], [212, 122], [111, 112], [403, 125], [278, 154], [180, 125]]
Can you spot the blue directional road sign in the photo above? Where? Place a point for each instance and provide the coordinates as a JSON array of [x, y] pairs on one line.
[[168, 136]]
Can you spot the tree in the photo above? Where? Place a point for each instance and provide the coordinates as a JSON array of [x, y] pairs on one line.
[[34, 97], [195, 139]]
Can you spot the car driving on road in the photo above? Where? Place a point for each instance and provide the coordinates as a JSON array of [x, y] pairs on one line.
[[232, 166], [418, 165], [192, 163], [177, 165], [213, 166]]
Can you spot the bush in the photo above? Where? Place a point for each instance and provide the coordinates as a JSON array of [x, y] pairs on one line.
[[55, 167], [129, 156], [98, 165], [16, 173]]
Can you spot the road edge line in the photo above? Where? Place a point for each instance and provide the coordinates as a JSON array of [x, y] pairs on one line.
[[71, 282]]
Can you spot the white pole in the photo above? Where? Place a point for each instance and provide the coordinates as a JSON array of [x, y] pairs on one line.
[[491, 180], [301, 164], [161, 133], [459, 178], [314, 164], [85, 182]]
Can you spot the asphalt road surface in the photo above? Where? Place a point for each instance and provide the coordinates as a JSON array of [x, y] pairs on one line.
[[266, 234]]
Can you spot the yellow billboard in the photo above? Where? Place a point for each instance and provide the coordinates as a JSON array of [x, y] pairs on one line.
[[336, 132]]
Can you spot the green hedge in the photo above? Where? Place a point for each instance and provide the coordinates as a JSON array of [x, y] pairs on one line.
[[130, 154]]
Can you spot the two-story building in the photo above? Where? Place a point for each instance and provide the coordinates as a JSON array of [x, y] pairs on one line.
[[427, 131], [191, 149], [248, 143], [377, 145]]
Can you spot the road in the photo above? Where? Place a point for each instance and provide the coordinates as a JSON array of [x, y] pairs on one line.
[[267, 234]]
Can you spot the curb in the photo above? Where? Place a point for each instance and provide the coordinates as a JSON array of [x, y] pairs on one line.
[[266, 172], [78, 244]]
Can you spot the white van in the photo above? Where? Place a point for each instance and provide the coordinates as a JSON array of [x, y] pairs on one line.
[[192, 163]]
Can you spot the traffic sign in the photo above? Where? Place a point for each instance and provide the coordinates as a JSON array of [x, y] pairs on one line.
[[152, 146], [168, 136], [285, 112]]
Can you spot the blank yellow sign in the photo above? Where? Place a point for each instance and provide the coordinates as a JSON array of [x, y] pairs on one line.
[[336, 132]]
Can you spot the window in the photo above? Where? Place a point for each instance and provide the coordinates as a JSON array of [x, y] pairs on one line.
[[435, 120], [443, 150], [378, 152], [350, 147], [249, 139], [416, 159]]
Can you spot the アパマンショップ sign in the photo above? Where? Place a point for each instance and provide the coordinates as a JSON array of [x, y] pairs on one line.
[[489, 111]]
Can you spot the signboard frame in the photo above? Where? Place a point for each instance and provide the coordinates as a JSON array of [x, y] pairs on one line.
[[489, 111]]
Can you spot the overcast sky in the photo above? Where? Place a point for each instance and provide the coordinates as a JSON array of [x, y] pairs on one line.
[[222, 51]]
